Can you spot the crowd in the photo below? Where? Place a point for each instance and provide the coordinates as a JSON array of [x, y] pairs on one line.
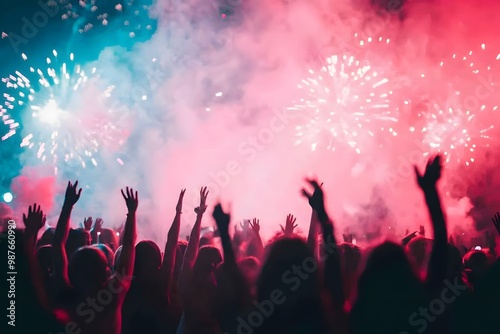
[[97, 280]]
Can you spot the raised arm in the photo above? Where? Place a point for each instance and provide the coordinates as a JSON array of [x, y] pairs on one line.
[[127, 257], [222, 220], [34, 221], [333, 277], [62, 231], [167, 266], [233, 295], [194, 238], [438, 260], [256, 240], [312, 236]]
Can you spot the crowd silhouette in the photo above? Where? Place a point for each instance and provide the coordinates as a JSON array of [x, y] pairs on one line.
[[98, 280]]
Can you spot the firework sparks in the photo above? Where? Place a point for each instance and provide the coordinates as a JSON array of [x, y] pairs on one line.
[[9, 122], [456, 131], [346, 102], [139, 20], [88, 14], [49, 101], [462, 124]]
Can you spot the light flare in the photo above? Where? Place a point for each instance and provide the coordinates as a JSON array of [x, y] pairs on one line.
[[58, 126]]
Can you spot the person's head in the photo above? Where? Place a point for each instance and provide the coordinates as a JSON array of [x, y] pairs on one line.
[[208, 259], [278, 271], [205, 241], [292, 269], [274, 239], [45, 257], [475, 260], [108, 252], [417, 250], [350, 258], [109, 238], [250, 268], [46, 238], [475, 265], [388, 290], [386, 269], [88, 269], [77, 238], [147, 259]]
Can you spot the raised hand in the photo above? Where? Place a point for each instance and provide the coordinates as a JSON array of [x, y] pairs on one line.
[[496, 222], [131, 199], [289, 225], [178, 208], [203, 200], [348, 237], [432, 173], [98, 224], [316, 199], [245, 226], [72, 194], [422, 230], [222, 219], [35, 219], [237, 236], [255, 225], [87, 223]]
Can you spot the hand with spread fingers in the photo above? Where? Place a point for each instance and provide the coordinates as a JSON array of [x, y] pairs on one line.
[[255, 225], [72, 194], [35, 219], [289, 225], [496, 222], [131, 199]]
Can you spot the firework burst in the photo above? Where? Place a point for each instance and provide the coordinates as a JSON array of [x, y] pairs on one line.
[[455, 131], [62, 126], [461, 122], [345, 103]]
